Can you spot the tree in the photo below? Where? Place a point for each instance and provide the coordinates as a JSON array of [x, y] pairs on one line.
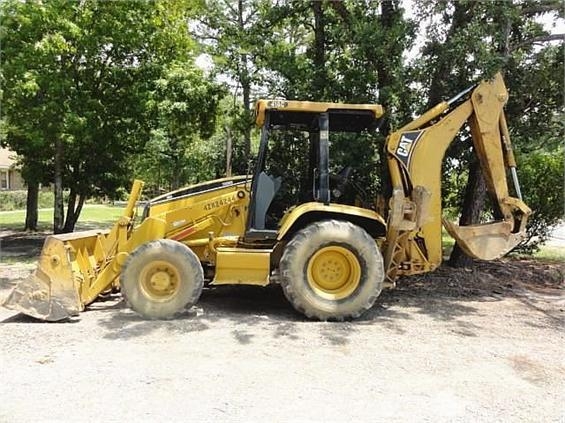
[[184, 106], [34, 161], [345, 51], [83, 71], [232, 33]]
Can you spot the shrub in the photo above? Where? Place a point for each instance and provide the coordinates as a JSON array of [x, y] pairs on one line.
[[542, 181], [16, 200], [12, 200]]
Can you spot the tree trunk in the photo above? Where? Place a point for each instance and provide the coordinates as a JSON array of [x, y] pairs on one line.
[[319, 81], [473, 204], [475, 192], [228, 151], [69, 221], [32, 206], [59, 211], [245, 81], [246, 87], [73, 210]]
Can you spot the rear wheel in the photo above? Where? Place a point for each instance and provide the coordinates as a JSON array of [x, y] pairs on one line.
[[161, 278], [332, 270]]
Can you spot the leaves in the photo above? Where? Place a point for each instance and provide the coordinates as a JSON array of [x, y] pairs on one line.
[[115, 83], [81, 74]]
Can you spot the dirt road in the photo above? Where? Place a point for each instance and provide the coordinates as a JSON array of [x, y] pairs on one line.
[[429, 351]]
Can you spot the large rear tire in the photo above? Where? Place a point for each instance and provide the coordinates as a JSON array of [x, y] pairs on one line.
[[332, 270], [161, 278]]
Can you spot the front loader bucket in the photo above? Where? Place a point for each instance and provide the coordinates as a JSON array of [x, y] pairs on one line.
[[75, 268], [53, 291], [486, 241]]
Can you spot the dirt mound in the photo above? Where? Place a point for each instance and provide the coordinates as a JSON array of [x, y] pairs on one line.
[[509, 276]]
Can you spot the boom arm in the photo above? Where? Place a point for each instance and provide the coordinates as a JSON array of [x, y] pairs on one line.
[[415, 155]]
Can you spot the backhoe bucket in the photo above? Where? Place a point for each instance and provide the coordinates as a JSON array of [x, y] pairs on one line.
[[487, 241], [53, 291]]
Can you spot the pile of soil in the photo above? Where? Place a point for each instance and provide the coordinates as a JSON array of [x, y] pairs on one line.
[[508, 276]]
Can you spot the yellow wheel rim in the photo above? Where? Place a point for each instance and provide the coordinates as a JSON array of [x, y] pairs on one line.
[[334, 272], [159, 280]]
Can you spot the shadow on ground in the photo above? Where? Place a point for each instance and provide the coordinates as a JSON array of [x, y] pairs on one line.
[[446, 295], [20, 246], [242, 308]]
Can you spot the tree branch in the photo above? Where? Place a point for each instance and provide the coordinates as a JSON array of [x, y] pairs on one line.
[[340, 9], [539, 39], [548, 6]]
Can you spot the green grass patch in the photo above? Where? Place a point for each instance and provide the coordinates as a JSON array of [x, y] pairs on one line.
[[447, 242], [550, 253], [92, 216]]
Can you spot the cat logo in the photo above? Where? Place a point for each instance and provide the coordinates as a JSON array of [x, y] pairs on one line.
[[406, 145]]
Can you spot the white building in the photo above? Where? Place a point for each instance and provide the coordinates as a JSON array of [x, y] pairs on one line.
[[10, 178]]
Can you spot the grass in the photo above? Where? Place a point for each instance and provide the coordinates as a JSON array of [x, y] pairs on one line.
[[92, 216], [550, 253]]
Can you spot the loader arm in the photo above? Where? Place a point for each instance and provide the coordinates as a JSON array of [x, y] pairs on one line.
[[415, 154]]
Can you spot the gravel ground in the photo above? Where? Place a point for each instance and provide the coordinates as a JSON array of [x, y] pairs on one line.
[[432, 350]]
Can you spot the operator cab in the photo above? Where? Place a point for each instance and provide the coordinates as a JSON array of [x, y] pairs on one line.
[[298, 133]]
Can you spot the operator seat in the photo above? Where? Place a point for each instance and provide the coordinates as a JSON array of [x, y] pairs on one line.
[[267, 187]]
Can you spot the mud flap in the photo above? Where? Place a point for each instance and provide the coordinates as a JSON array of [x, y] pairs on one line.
[[487, 241]]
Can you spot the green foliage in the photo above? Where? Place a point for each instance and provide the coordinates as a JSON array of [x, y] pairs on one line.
[[12, 200], [115, 85], [78, 75], [184, 108], [16, 200], [541, 176]]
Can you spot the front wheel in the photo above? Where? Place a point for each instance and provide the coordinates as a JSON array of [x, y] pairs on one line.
[[332, 270], [161, 278]]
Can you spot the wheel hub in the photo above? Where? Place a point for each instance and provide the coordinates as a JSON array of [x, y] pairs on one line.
[[334, 272], [159, 280]]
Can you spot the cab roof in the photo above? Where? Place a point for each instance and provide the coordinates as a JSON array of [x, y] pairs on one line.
[[303, 115]]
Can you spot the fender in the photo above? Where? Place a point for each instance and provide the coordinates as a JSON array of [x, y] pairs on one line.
[[300, 216]]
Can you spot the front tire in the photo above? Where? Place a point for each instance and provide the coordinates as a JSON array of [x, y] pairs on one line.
[[332, 270], [161, 278]]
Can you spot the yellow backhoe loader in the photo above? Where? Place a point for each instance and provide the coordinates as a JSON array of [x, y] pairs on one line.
[[332, 254]]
